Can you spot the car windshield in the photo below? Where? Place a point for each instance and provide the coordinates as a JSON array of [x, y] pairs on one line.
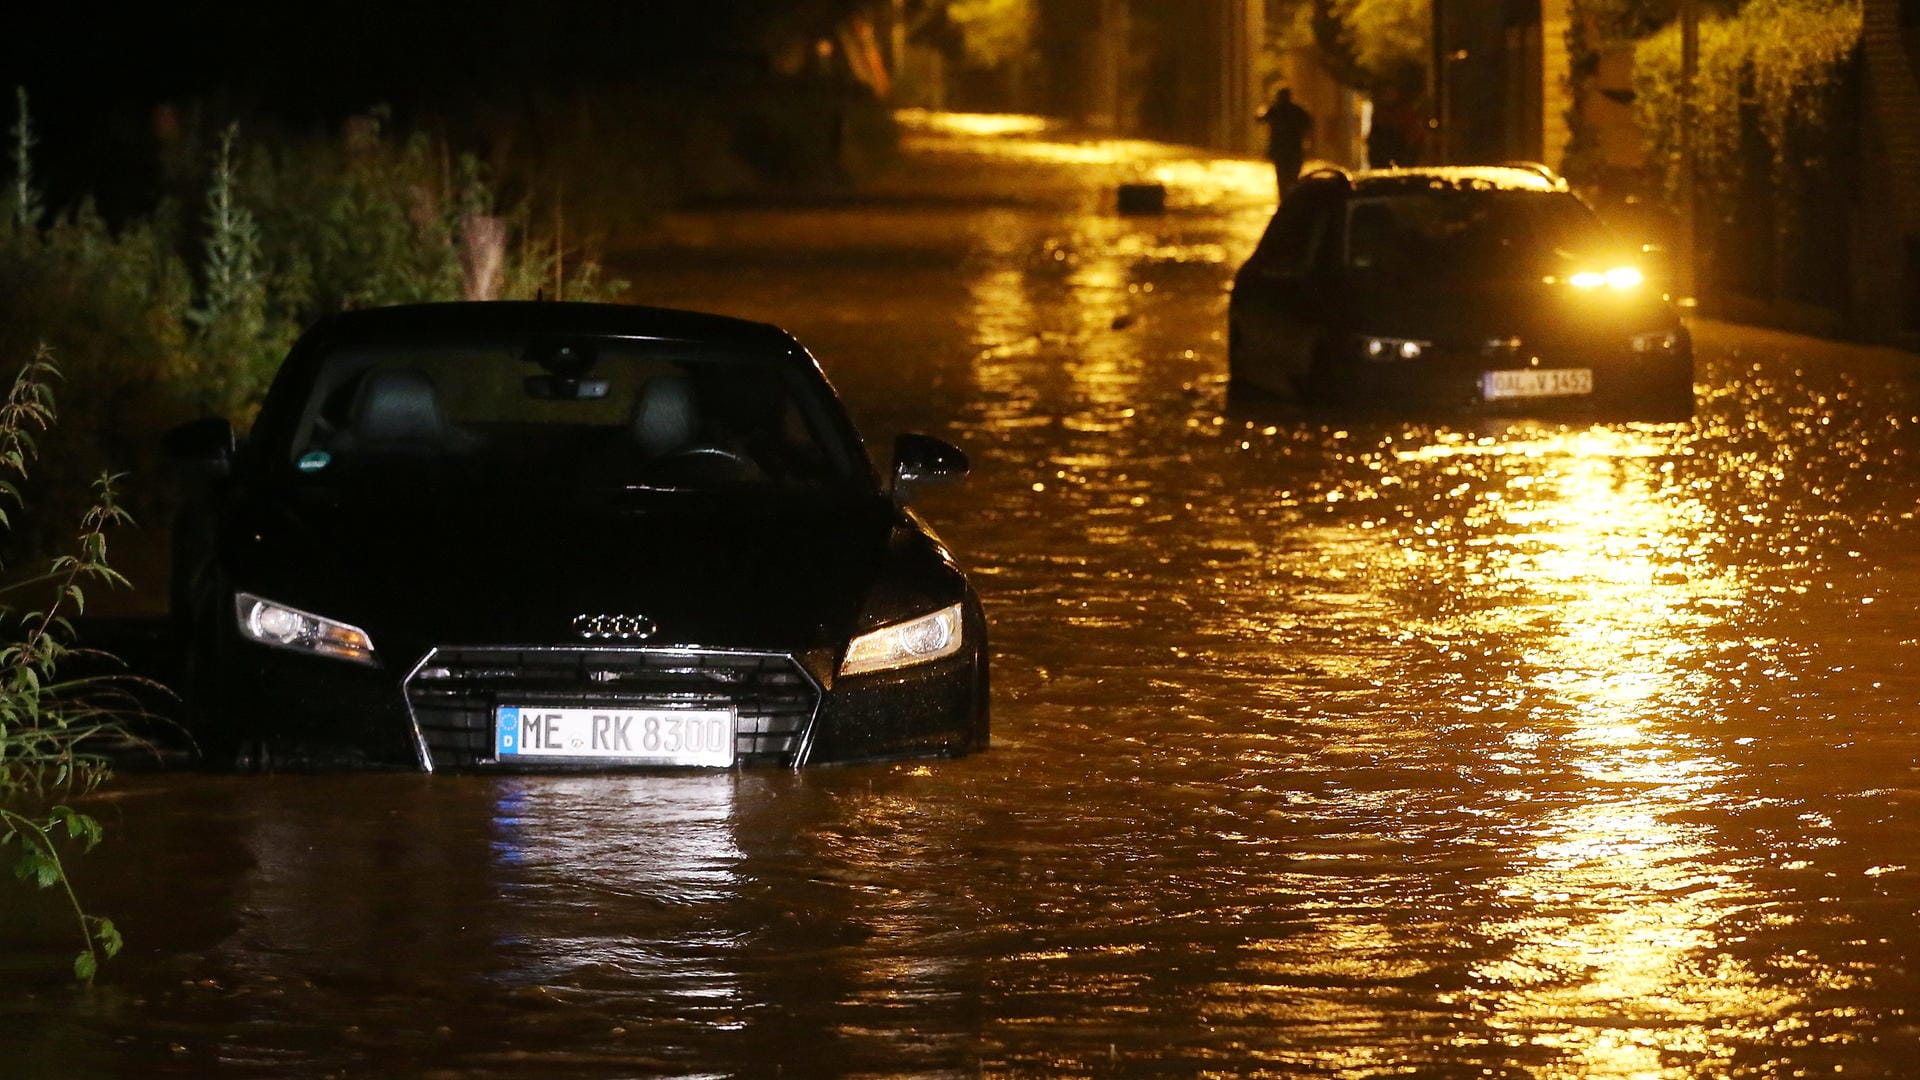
[[1449, 233], [566, 413]]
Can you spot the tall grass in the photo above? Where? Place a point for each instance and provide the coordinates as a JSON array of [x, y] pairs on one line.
[[55, 727]]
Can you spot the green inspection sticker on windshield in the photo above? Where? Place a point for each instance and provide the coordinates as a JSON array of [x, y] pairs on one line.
[[314, 461]]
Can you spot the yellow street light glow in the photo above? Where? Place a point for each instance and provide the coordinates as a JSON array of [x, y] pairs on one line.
[[1620, 277]]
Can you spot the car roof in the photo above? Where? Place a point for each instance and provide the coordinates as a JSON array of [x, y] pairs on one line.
[[1515, 177], [536, 317]]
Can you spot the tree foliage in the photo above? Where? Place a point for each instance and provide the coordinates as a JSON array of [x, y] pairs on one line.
[[160, 319], [1784, 59], [993, 32], [1376, 46], [1624, 20], [979, 33]]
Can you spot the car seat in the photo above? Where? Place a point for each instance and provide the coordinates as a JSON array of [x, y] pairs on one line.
[[396, 413], [675, 442], [666, 418]]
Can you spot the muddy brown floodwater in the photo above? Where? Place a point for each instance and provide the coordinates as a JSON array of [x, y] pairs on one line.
[[1346, 749]]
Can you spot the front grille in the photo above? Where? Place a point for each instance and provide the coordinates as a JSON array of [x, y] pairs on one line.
[[454, 693]]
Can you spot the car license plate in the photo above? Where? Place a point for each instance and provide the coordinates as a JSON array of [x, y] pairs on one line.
[[1536, 382], [701, 738]]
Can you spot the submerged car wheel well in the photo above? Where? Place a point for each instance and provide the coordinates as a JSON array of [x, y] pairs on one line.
[[1240, 389], [1320, 380]]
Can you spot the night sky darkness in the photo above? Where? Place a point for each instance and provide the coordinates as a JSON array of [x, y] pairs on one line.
[[315, 56], [95, 72]]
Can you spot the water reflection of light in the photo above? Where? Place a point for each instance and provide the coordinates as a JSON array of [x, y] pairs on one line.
[[1022, 338], [1006, 327], [979, 125], [1106, 367], [1213, 181], [1194, 181], [619, 871], [1617, 902]]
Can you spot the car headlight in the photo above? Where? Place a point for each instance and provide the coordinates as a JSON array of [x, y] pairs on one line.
[[1390, 348], [1658, 341], [915, 641], [1620, 277], [290, 628]]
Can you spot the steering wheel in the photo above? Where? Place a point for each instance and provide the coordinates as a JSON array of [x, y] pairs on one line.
[[704, 464], [708, 453]]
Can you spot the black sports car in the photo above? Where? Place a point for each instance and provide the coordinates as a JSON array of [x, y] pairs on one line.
[[1485, 288], [548, 536]]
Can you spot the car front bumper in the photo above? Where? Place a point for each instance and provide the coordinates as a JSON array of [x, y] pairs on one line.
[[1618, 381], [286, 710]]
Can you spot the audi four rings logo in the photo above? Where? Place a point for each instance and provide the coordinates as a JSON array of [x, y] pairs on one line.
[[614, 627]]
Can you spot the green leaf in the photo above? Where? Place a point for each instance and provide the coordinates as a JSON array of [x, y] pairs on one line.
[[79, 826], [108, 936], [27, 866], [85, 965]]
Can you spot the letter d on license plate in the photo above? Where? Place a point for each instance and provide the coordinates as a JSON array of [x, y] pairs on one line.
[[699, 738]]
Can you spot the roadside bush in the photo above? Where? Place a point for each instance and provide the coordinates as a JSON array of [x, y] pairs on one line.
[[110, 304], [299, 230], [189, 313], [55, 729], [1784, 59], [1771, 141]]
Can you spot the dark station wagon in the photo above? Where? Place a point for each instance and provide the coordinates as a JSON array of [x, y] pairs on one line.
[[1486, 289]]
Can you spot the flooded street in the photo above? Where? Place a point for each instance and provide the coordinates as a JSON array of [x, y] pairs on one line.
[[1347, 749]]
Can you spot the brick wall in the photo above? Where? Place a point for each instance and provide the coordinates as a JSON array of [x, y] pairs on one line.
[[1893, 100], [1555, 95]]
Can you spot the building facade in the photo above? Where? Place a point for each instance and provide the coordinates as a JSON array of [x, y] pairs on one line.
[[1499, 84], [1839, 254], [1886, 226]]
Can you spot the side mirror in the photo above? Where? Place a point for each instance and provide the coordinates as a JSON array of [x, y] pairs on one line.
[[922, 461], [208, 444]]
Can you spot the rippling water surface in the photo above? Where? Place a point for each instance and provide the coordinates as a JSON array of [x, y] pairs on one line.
[[1350, 749]]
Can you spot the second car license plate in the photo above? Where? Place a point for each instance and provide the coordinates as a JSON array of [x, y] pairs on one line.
[[701, 738], [1536, 382]]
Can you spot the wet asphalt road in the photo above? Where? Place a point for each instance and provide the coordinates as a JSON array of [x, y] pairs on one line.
[[1351, 749]]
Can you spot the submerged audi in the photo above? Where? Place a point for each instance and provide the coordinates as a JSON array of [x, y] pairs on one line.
[[548, 536]]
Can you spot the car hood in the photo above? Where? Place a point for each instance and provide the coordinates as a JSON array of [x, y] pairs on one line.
[[1471, 313], [786, 575]]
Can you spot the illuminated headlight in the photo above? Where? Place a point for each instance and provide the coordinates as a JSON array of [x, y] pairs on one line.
[[1620, 277], [290, 628], [1387, 348], [915, 641], [1659, 341]]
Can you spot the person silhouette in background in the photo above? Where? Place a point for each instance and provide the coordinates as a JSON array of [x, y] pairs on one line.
[[1392, 139], [1289, 135]]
